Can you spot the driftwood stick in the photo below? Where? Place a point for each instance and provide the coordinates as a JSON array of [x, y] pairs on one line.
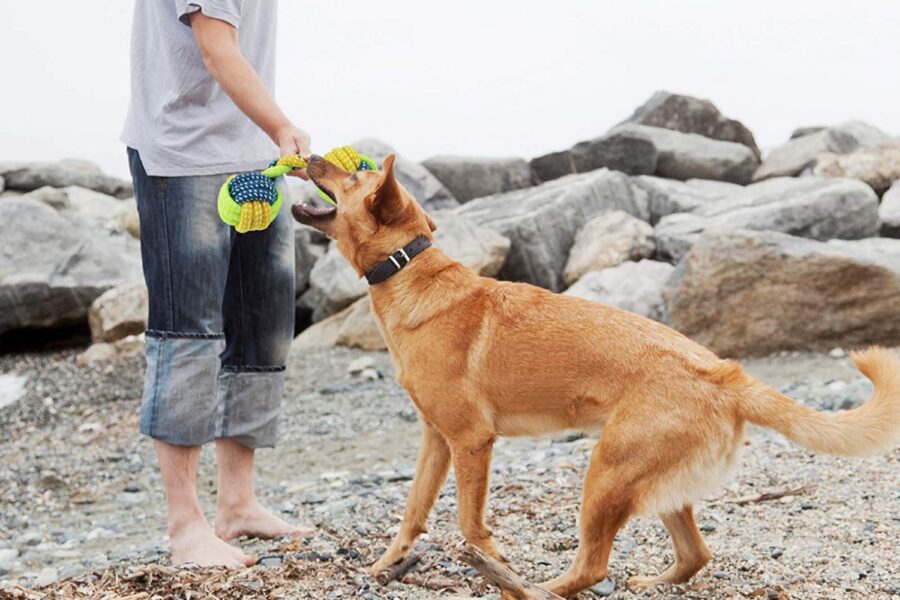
[[502, 576], [431, 582], [397, 570], [766, 496]]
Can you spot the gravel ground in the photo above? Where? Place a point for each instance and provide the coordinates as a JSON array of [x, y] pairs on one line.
[[79, 493]]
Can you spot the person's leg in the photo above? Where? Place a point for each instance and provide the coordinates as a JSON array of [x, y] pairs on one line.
[[238, 512], [191, 537], [259, 326], [185, 258]]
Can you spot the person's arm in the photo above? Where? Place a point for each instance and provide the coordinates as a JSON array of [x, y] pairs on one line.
[[218, 42]]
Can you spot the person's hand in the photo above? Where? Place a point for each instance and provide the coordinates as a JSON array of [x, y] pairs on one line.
[[293, 140]]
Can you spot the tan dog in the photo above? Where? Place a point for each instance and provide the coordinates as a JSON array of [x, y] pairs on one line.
[[483, 358]]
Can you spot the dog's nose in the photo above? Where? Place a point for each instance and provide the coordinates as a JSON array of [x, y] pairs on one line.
[[314, 158]]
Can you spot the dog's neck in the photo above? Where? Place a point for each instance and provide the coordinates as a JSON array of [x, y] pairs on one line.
[[398, 301]]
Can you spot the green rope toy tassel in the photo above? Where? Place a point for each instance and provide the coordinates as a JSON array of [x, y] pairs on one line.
[[251, 201]]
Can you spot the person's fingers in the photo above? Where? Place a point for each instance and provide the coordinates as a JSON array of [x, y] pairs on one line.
[[304, 149], [301, 173], [288, 148]]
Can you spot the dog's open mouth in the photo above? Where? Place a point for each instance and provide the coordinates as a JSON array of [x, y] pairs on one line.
[[326, 191], [309, 214]]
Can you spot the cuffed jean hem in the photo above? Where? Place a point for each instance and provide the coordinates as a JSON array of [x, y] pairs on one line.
[[249, 404], [190, 400], [180, 387]]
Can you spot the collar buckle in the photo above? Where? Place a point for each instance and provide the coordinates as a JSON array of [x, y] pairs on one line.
[[396, 259]]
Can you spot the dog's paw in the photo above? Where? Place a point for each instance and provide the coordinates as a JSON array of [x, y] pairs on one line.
[[641, 582], [387, 559]]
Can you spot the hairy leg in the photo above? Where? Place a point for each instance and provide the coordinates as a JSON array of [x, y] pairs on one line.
[[431, 472], [606, 506], [193, 540], [238, 512], [691, 552]]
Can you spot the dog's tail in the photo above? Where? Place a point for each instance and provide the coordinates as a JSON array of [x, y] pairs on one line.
[[869, 429]]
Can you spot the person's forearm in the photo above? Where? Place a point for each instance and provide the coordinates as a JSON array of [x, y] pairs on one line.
[[229, 67], [221, 51]]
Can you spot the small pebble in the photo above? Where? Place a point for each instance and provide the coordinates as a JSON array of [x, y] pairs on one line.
[[47, 576], [272, 560], [360, 365], [604, 588]]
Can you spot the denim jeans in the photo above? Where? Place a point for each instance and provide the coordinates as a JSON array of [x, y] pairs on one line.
[[221, 314]]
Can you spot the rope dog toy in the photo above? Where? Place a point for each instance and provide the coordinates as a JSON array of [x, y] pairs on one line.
[[251, 201]]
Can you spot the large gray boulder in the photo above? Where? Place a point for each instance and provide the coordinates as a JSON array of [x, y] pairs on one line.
[[478, 247], [51, 196], [354, 327], [85, 206], [307, 252], [811, 207], [634, 286], [668, 196], [692, 115], [890, 212], [607, 240], [418, 181], [553, 165], [469, 177], [33, 175], [542, 221], [800, 152], [51, 270], [878, 166], [807, 130], [619, 151], [752, 293], [334, 285], [689, 156]]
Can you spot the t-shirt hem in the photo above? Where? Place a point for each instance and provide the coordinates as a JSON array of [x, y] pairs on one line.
[[222, 169], [155, 168]]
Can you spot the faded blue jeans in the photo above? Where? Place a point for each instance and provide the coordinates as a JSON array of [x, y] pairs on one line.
[[221, 314]]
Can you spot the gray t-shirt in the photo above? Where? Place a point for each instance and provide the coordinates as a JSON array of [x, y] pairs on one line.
[[180, 119]]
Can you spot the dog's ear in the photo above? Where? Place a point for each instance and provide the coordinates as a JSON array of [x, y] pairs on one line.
[[431, 224], [386, 203]]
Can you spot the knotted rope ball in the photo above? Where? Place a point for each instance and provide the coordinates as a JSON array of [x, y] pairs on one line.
[[251, 201]]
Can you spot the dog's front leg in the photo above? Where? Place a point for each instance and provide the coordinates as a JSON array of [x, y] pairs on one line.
[[431, 472], [471, 466]]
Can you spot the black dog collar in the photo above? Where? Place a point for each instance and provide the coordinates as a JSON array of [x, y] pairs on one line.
[[397, 260]]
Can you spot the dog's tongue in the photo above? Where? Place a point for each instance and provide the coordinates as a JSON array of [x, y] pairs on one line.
[[306, 212], [316, 211]]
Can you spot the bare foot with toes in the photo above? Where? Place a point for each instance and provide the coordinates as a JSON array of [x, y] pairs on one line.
[[253, 520], [198, 544]]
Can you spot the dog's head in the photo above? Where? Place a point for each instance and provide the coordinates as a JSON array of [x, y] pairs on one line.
[[373, 214]]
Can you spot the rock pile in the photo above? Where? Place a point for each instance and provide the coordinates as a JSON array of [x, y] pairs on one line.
[[675, 214]]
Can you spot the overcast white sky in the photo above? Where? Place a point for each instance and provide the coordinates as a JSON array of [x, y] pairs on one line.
[[476, 77]]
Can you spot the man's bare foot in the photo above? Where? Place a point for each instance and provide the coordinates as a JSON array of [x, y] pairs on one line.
[[253, 520], [196, 543]]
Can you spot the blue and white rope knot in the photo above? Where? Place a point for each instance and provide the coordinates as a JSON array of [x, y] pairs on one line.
[[250, 187]]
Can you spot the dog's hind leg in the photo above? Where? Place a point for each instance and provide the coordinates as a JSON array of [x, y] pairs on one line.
[[606, 506], [431, 472], [691, 552]]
